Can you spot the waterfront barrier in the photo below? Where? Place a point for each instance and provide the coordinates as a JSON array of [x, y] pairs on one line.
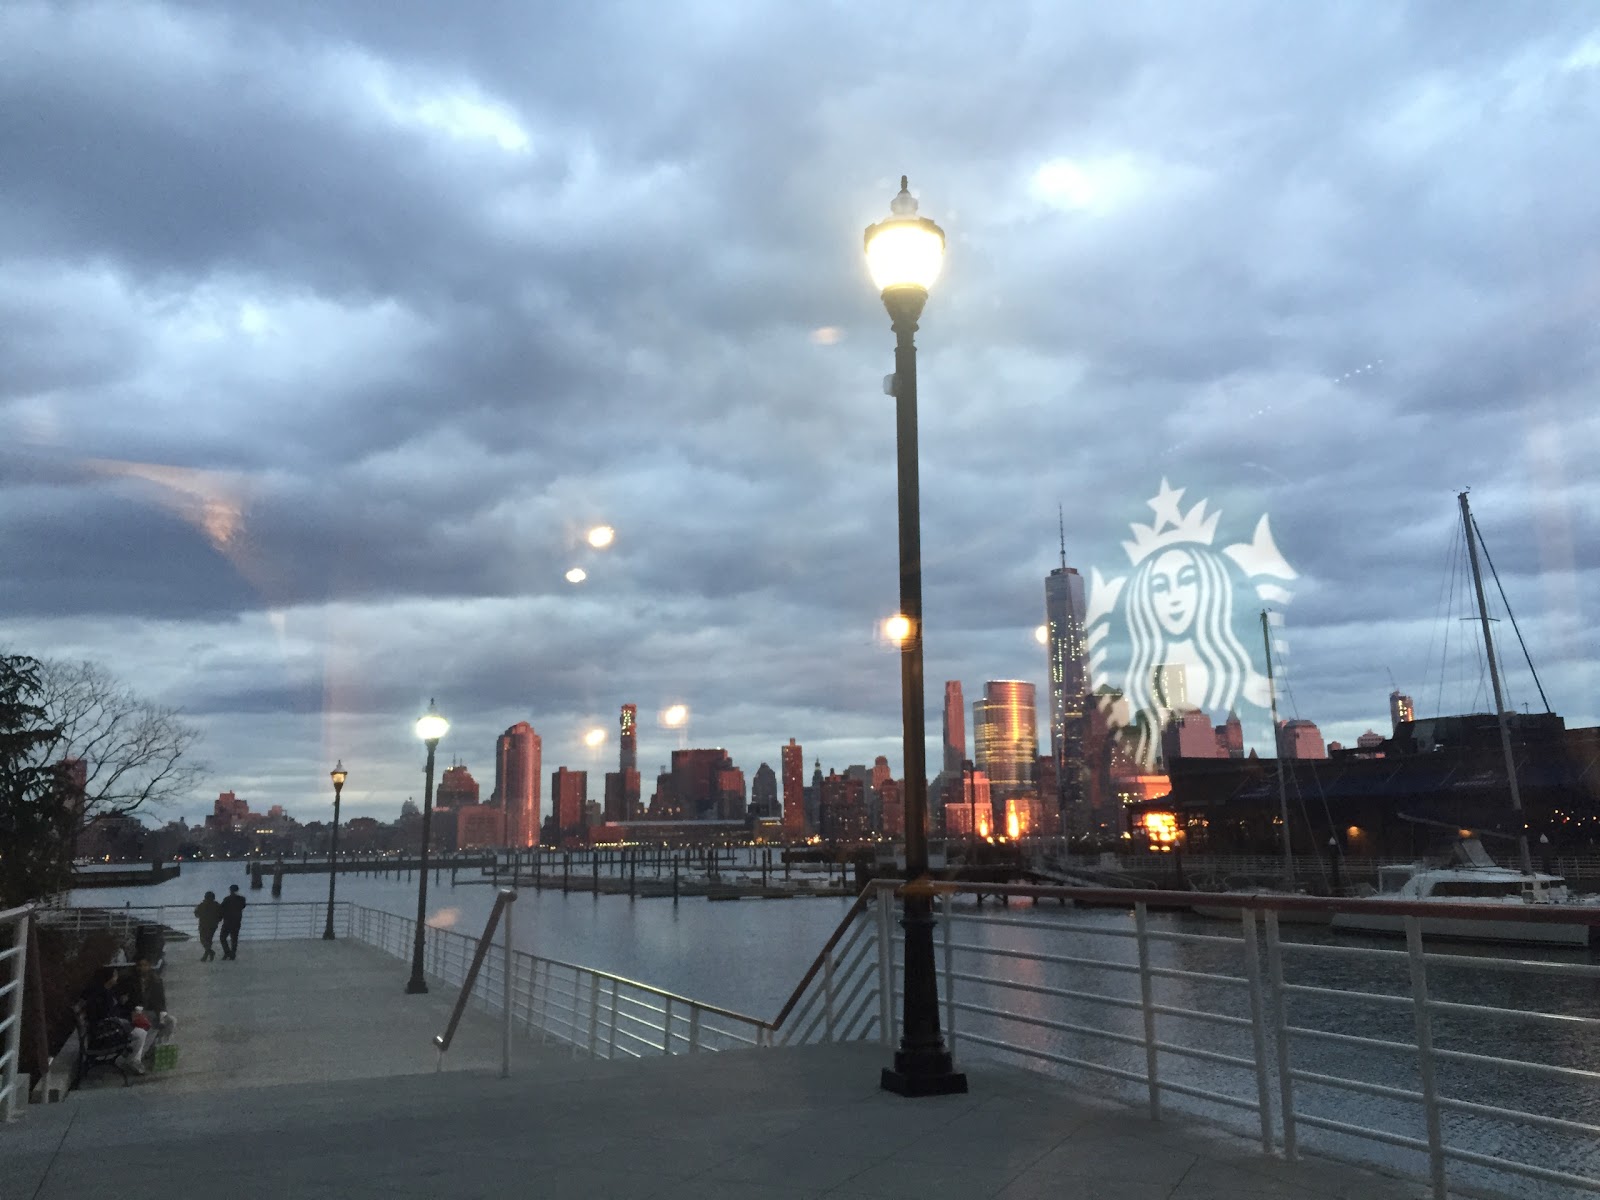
[[1460, 1068], [14, 924]]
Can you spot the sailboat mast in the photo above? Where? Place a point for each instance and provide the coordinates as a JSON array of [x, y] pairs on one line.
[[1283, 792], [1494, 680]]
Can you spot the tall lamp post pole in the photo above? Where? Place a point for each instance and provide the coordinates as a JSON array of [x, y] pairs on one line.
[[430, 728], [904, 254], [338, 775]]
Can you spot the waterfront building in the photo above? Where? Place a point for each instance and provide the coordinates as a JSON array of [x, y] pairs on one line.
[[814, 798], [1401, 710], [844, 810], [1300, 739], [955, 727], [457, 788], [764, 793], [1191, 735], [569, 799], [517, 754], [1370, 740], [1230, 737], [792, 759], [730, 792], [972, 815], [480, 827], [1064, 610], [891, 800], [621, 796], [1005, 728], [697, 783]]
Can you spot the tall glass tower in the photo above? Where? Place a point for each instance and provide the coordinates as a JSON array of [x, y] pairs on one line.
[[1064, 610], [1005, 728]]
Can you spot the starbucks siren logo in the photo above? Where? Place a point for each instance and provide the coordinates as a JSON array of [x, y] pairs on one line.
[[1177, 610]]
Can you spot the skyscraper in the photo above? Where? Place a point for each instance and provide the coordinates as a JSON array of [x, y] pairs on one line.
[[764, 792], [955, 727], [569, 796], [1064, 611], [794, 789], [516, 783], [1005, 728], [1400, 709], [629, 741]]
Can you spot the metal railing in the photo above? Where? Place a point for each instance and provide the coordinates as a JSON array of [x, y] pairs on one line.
[[591, 1011], [279, 920], [13, 987], [1377, 1052]]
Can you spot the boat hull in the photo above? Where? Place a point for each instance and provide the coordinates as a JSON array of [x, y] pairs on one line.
[[1220, 910], [1467, 929]]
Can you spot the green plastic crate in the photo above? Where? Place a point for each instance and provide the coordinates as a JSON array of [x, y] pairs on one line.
[[166, 1058]]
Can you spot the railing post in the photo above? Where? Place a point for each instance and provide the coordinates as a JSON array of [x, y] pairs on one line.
[[827, 993], [1430, 1096], [666, 1029], [611, 1038], [948, 907], [886, 966], [505, 1028], [1280, 1022], [694, 1030], [594, 1011], [1147, 1000], [277, 915], [1258, 1025]]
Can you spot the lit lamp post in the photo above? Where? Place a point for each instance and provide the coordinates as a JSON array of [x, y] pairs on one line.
[[430, 728], [338, 775], [904, 254]]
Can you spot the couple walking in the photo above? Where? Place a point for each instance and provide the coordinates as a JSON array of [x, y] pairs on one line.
[[229, 914]]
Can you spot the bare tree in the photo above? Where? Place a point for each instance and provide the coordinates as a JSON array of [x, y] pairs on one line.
[[131, 752]]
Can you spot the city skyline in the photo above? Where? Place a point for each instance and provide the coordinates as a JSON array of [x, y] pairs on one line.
[[335, 338]]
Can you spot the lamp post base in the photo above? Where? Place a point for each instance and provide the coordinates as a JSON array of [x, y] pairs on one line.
[[416, 987], [932, 1078], [327, 935]]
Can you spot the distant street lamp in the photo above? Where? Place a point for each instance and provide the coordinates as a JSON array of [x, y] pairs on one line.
[[904, 254], [338, 775], [430, 728]]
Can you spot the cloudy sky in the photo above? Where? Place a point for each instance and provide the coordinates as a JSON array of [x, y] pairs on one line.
[[327, 330]]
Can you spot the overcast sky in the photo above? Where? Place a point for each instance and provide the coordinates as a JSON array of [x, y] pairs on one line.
[[327, 330]]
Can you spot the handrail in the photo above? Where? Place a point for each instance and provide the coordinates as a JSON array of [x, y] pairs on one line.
[[1552, 914], [501, 901], [12, 999], [856, 909]]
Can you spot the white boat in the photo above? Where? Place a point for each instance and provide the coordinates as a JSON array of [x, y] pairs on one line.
[[1474, 882]]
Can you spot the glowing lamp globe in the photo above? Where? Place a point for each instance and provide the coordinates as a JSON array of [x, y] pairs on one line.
[[338, 774], [431, 726], [905, 251]]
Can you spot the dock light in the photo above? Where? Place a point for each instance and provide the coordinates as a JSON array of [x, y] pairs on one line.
[[595, 738], [897, 628], [338, 775], [904, 255], [430, 728]]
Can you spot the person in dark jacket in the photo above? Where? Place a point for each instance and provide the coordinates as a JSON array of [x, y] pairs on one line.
[[232, 917], [209, 913]]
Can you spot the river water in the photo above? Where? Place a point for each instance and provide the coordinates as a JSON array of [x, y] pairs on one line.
[[748, 955]]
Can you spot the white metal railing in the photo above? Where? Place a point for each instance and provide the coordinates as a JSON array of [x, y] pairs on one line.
[[13, 987], [1376, 1050], [594, 1012], [278, 921]]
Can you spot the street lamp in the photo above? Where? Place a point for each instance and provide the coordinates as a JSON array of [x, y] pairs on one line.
[[338, 775], [430, 728], [904, 254]]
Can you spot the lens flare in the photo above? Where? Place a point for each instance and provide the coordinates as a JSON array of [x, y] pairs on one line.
[[595, 737], [1041, 635], [577, 575], [602, 536], [674, 715], [897, 628]]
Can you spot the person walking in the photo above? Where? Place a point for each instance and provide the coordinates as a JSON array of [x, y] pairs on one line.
[[232, 917], [209, 914]]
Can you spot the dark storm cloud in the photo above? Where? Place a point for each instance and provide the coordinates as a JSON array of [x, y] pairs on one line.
[[331, 329]]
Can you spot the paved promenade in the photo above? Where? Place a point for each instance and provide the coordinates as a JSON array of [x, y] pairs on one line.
[[306, 1072]]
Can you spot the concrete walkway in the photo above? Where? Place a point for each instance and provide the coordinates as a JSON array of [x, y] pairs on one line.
[[305, 1073]]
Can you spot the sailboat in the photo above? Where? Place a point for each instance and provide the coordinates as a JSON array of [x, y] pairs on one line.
[[1476, 879]]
